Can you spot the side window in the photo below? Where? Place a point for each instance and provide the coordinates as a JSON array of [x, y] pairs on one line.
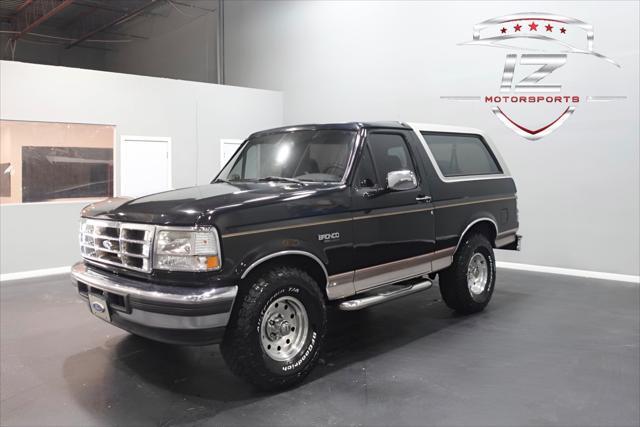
[[390, 153], [365, 175], [459, 155]]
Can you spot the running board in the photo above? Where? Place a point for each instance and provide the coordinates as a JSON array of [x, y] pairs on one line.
[[368, 301]]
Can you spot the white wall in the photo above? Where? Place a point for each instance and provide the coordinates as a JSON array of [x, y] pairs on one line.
[[342, 61], [195, 115]]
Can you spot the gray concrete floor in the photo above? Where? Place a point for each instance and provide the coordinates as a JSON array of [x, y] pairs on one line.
[[549, 350]]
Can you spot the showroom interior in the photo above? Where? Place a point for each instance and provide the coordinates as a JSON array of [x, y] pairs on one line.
[[120, 99]]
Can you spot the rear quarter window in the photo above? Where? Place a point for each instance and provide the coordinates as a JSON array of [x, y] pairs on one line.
[[460, 155]]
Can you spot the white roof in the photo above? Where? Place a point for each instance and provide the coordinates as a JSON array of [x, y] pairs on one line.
[[426, 127]]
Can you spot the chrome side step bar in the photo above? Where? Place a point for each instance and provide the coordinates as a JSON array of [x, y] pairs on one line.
[[368, 301]]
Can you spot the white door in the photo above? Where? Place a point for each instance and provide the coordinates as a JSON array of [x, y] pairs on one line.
[[145, 165], [228, 148]]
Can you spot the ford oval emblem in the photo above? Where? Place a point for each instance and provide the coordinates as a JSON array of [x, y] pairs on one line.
[[98, 307]]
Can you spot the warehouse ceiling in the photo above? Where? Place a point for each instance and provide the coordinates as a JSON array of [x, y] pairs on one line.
[[96, 24]]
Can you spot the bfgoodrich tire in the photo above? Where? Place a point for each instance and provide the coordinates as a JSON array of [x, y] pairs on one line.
[[276, 329], [467, 285]]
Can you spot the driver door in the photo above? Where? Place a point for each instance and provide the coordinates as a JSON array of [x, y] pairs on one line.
[[393, 230]]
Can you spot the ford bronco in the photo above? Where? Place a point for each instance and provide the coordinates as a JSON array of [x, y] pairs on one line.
[[300, 219]]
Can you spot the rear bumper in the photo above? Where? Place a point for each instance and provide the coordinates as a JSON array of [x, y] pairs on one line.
[[172, 314], [511, 242]]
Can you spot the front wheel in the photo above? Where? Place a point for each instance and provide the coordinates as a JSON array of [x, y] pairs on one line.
[[276, 330], [467, 285]]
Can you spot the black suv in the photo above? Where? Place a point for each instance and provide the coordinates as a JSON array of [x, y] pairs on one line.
[[301, 218]]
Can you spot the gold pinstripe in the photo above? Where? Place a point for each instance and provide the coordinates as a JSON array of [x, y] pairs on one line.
[[356, 218], [474, 202], [361, 217]]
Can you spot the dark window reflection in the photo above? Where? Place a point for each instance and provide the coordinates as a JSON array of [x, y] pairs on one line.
[[50, 173], [5, 180]]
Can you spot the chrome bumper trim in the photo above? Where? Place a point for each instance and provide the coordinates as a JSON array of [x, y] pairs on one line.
[[169, 296], [169, 321], [150, 291], [506, 240]]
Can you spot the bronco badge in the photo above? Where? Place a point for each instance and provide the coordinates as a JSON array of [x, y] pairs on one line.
[[329, 237]]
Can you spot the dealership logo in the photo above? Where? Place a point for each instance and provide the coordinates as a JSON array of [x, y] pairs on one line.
[[536, 95]]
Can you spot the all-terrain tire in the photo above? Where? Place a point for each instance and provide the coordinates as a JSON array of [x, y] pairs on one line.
[[454, 281], [243, 347]]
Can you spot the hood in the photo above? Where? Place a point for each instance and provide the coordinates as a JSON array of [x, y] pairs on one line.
[[196, 205]]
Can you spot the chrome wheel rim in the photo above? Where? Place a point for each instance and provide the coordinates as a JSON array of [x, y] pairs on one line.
[[284, 328], [477, 274]]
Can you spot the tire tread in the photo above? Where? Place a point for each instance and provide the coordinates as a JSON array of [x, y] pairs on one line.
[[240, 354], [453, 280]]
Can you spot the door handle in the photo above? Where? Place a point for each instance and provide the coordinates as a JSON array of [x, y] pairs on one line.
[[424, 199]]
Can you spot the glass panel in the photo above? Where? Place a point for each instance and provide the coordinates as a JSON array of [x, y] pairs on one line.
[[365, 175], [314, 155], [50, 173], [390, 153], [55, 161], [458, 155]]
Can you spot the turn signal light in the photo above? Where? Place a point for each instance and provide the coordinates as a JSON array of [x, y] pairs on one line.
[[212, 262]]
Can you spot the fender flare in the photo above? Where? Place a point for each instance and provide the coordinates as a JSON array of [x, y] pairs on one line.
[[471, 224], [273, 255]]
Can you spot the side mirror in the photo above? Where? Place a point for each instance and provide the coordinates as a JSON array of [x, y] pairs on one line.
[[401, 180]]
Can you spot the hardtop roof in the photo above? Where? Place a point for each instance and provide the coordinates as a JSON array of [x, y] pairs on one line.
[[355, 126]]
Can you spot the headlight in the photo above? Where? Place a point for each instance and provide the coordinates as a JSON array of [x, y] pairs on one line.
[[187, 250]]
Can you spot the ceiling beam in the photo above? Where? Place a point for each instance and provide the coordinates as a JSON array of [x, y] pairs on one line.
[[120, 34], [30, 25], [22, 6], [110, 24], [110, 7]]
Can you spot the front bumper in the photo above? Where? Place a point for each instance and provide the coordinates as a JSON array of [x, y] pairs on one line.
[[172, 314]]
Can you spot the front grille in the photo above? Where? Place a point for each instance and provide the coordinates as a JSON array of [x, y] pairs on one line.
[[122, 244]]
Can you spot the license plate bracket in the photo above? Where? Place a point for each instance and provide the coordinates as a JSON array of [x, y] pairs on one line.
[[99, 306]]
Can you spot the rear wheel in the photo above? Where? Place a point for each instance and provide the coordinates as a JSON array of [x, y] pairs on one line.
[[467, 285], [276, 329]]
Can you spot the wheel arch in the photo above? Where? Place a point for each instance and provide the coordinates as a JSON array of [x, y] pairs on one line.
[[297, 258], [485, 225]]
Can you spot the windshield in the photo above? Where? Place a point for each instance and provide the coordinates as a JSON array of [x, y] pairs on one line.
[[305, 155]]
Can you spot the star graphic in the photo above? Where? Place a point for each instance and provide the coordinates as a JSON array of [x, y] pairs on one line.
[[533, 27], [549, 27], [563, 30], [517, 27], [503, 30]]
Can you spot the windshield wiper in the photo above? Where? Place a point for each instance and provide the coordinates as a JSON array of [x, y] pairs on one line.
[[280, 178]]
